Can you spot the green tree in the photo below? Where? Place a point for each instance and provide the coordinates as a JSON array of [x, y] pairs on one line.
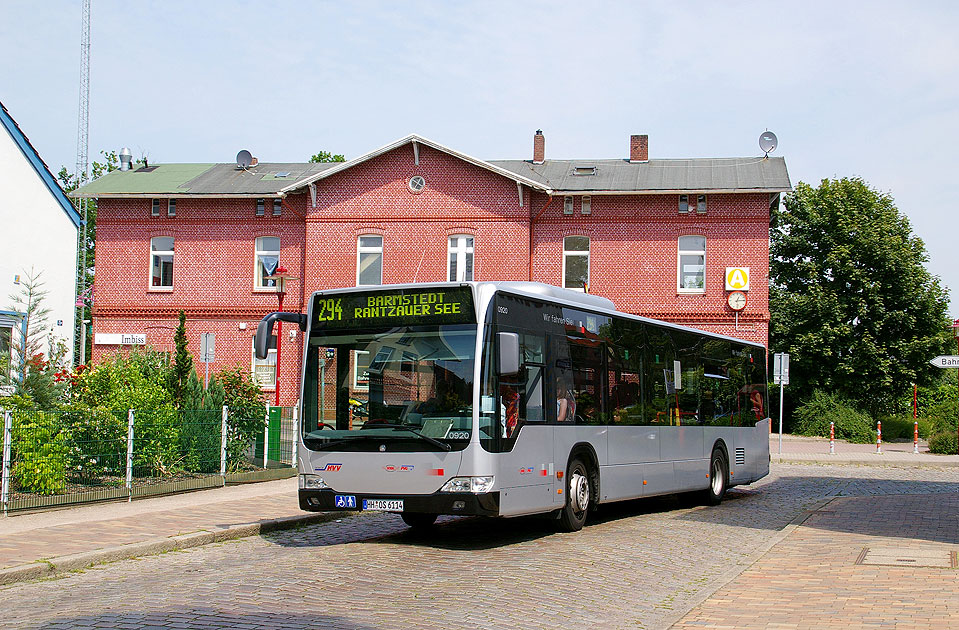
[[182, 364], [326, 156], [850, 298], [29, 301]]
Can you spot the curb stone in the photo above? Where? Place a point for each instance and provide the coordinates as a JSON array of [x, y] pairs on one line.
[[887, 463], [74, 562]]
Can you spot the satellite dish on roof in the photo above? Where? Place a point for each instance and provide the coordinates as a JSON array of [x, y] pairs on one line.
[[243, 159], [768, 142]]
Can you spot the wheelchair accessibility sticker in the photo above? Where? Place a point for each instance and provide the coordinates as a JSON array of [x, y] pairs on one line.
[[345, 501]]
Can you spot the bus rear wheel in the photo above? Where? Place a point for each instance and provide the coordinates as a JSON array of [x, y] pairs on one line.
[[579, 493], [718, 477], [418, 521]]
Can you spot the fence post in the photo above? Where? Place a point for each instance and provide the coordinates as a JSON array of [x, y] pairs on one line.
[[915, 437], [7, 440], [223, 445], [130, 454], [266, 436], [879, 437], [832, 438]]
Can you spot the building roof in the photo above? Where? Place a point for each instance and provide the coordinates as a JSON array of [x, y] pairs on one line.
[[552, 177], [223, 180], [656, 176], [38, 164]]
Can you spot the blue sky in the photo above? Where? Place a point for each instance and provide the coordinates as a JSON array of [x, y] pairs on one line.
[[863, 89]]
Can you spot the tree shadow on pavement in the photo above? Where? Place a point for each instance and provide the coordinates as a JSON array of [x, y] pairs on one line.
[[884, 507], [200, 618]]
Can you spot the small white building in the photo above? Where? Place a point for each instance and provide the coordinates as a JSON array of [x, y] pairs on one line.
[[39, 236]]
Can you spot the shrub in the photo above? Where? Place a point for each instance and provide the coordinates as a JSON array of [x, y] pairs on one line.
[[200, 439], [814, 415], [96, 441], [943, 443], [40, 453], [156, 441], [903, 427], [247, 411]]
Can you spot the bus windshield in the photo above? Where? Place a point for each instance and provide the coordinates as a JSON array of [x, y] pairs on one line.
[[405, 388]]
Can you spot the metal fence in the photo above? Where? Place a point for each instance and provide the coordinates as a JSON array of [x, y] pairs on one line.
[[70, 457]]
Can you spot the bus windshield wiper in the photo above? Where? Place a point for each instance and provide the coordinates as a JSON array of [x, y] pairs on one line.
[[406, 427]]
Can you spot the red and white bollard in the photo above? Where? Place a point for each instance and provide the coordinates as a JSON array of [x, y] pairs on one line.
[[832, 438], [879, 437], [915, 437]]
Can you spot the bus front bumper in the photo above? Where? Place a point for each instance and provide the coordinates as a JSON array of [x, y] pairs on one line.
[[463, 503]]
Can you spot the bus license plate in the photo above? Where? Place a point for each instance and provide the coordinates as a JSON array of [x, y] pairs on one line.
[[383, 505]]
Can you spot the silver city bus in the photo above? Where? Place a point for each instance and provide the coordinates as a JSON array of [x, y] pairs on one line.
[[514, 398]]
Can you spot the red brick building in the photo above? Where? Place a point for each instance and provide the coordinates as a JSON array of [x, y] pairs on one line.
[[655, 236]]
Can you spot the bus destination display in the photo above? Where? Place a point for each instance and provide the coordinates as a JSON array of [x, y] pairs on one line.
[[394, 308]]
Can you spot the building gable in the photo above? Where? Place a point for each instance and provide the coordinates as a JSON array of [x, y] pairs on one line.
[[31, 155]]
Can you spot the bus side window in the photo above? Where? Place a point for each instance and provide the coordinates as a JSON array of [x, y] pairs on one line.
[[534, 360], [658, 394], [588, 376]]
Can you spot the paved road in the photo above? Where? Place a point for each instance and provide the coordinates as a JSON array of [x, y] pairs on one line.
[[640, 565]]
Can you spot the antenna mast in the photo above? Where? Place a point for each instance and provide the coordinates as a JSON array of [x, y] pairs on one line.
[[83, 133]]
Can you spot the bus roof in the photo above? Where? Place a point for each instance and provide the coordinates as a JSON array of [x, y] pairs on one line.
[[546, 292]]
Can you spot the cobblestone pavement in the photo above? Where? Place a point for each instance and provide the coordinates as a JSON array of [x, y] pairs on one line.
[[640, 564], [857, 563]]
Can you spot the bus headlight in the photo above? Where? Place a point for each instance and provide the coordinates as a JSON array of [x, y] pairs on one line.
[[312, 482], [476, 485]]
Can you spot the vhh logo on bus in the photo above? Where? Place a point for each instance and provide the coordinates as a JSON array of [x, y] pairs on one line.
[[737, 278]]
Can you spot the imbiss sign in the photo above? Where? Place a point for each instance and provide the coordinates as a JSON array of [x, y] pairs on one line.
[[120, 339]]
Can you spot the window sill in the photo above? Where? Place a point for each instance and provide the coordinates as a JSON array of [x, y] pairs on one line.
[[691, 292], [265, 290], [160, 290]]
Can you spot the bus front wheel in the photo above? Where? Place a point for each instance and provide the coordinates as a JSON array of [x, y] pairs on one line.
[[578, 497], [418, 521], [718, 477]]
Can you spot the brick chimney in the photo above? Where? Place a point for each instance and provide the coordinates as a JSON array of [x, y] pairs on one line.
[[639, 148], [539, 147]]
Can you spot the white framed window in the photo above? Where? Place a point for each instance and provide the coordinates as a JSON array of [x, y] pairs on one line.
[[369, 260], [683, 204], [265, 369], [267, 259], [277, 207], [691, 266], [460, 258], [161, 262], [576, 262], [586, 205], [700, 204], [260, 207], [171, 207], [567, 205], [155, 208]]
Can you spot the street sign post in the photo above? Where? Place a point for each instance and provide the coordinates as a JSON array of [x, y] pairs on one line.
[[781, 378], [207, 345]]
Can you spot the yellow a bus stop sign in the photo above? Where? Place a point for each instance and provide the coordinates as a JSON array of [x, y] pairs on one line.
[[737, 278]]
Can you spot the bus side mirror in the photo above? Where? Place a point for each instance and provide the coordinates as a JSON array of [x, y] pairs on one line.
[[508, 353], [264, 330]]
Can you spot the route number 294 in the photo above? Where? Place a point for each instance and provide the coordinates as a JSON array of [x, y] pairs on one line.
[[330, 310]]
